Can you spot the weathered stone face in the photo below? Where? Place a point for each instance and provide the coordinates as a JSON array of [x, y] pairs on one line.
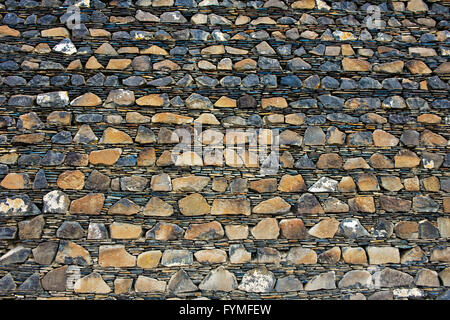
[[181, 149]]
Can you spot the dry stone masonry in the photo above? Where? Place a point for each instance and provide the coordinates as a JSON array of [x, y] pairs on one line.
[[224, 149]]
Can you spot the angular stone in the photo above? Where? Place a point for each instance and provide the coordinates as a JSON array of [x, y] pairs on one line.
[[362, 204], [70, 230], [72, 253], [330, 256], [274, 205], [445, 277], [393, 204], [326, 228], [356, 278], [257, 280], [194, 204], [181, 283], [92, 203], [356, 163], [15, 181], [133, 183], [157, 207], [326, 280], [119, 230], [264, 185], [190, 183], [358, 65], [324, 184], [427, 230], [124, 207], [427, 278], [382, 138], [299, 255], [329, 161], [114, 136], [314, 136], [308, 204], [55, 280], [176, 257], [334, 205], [236, 232], [444, 226], [71, 179], [107, 157], [146, 284], [293, 229], [413, 255], [347, 185], [440, 254], [417, 67], [391, 183], [424, 204], [161, 182], [266, 228], [379, 161], [165, 231], [231, 207], [122, 285], [352, 228], [290, 183], [211, 256], [389, 278], [204, 231], [92, 283], [383, 255], [149, 259], [382, 229], [219, 279], [18, 254], [115, 256], [354, 255], [119, 98]]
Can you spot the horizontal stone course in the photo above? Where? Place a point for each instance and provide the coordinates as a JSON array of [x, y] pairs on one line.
[[224, 150]]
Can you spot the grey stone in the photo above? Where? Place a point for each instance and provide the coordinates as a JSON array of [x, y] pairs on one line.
[[176, 257], [389, 278], [7, 283], [70, 230], [16, 255], [31, 284], [45, 252], [257, 280], [8, 232], [288, 284], [352, 228], [181, 283], [326, 280], [219, 279]]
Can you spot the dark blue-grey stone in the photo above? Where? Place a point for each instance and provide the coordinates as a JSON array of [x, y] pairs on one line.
[[251, 80], [444, 296], [361, 138], [80, 32], [16, 255], [89, 118], [417, 103], [134, 81], [345, 6], [186, 3], [304, 103], [3, 169], [304, 163], [8, 233], [121, 35], [220, 36], [352, 228], [40, 180], [6, 121], [342, 117], [111, 81], [369, 83], [99, 17], [436, 83], [318, 119], [260, 35], [59, 81], [198, 34], [161, 82], [428, 37], [266, 63], [8, 48], [255, 120], [230, 81], [77, 80], [177, 102], [127, 161], [410, 85], [9, 65], [300, 51], [269, 80], [391, 84], [319, 50], [84, 51], [205, 81], [63, 137], [286, 20], [31, 284], [7, 283], [331, 102], [47, 20], [400, 119], [96, 80], [330, 66], [29, 160], [31, 34], [179, 51], [14, 81], [329, 83], [175, 17], [51, 65], [441, 104], [186, 81], [284, 50], [39, 81], [12, 19], [52, 158], [291, 81], [70, 230], [312, 82], [348, 84]]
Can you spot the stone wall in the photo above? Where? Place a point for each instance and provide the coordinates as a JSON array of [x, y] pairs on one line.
[[319, 168]]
